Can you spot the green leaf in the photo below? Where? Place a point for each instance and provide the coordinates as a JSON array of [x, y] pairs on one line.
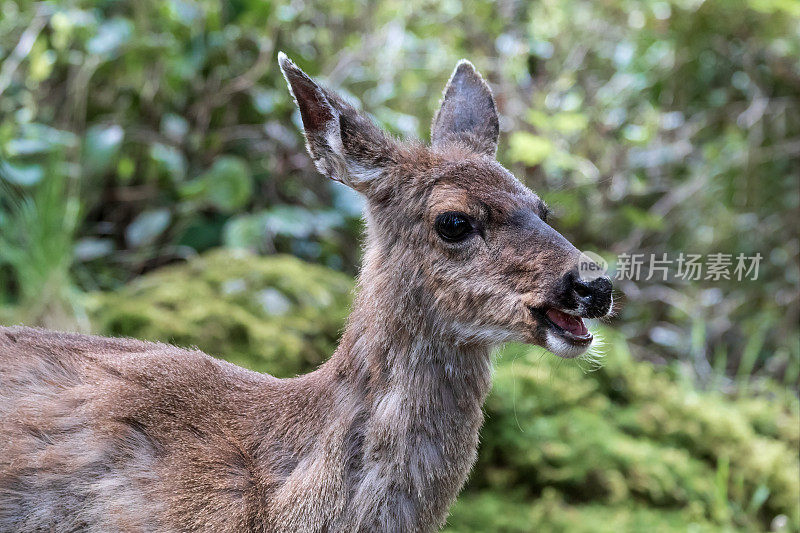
[[37, 139], [25, 175], [169, 160], [227, 185], [642, 219], [90, 248], [570, 122], [252, 230], [245, 231], [110, 37], [147, 227], [529, 149], [174, 127], [24, 147], [101, 147]]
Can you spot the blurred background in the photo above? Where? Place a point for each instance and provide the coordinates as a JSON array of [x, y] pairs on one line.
[[154, 183]]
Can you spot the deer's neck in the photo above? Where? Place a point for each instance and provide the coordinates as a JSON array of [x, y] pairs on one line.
[[384, 434], [418, 399]]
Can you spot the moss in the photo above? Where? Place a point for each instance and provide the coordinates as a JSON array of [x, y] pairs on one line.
[[633, 435], [274, 314], [488, 511], [629, 447]]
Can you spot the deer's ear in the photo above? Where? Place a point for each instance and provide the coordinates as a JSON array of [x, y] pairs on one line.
[[467, 112], [344, 145]]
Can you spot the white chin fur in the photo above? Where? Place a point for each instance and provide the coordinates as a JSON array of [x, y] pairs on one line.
[[562, 348]]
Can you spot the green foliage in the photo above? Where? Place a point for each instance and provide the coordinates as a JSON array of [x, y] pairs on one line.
[[37, 231], [628, 433], [102, 146], [528, 148], [273, 314], [225, 186], [649, 126], [488, 511]]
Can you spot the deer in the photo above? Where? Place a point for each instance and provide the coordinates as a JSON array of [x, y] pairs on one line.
[[114, 434]]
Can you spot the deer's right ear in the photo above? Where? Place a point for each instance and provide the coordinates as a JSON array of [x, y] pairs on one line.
[[344, 145], [467, 113]]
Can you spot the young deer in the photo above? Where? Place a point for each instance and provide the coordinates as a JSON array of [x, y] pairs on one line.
[[101, 434]]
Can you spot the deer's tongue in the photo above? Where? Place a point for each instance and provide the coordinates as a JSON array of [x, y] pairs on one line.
[[569, 323]]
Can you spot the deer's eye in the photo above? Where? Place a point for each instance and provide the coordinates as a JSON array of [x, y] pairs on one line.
[[453, 226]]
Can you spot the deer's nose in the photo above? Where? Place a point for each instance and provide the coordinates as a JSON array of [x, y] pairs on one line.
[[592, 297]]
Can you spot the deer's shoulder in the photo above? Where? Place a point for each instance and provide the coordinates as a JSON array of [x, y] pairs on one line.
[[136, 374], [120, 356], [156, 422]]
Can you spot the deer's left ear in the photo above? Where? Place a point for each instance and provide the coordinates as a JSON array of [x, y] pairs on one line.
[[345, 145], [467, 113]]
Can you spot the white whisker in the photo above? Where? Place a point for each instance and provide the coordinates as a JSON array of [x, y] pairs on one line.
[[592, 359]]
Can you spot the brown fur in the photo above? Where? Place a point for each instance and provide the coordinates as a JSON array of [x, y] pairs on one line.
[[102, 434]]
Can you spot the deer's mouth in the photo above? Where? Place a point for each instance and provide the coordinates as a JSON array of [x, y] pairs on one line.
[[565, 325]]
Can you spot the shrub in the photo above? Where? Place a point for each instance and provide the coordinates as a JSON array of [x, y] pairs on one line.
[[275, 314], [637, 437], [661, 126]]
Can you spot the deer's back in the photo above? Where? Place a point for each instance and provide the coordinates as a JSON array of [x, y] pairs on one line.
[[114, 434]]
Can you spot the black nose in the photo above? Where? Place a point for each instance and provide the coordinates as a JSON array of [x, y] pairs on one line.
[[592, 298]]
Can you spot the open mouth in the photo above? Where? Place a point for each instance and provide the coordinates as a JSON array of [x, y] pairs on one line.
[[569, 327]]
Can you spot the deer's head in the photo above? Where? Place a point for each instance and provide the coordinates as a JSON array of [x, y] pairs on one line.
[[451, 229]]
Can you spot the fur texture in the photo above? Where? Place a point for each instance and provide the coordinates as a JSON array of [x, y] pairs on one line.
[[102, 434]]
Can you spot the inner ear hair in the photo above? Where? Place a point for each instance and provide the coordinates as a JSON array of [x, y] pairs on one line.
[[315, 109], [344, 144]]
